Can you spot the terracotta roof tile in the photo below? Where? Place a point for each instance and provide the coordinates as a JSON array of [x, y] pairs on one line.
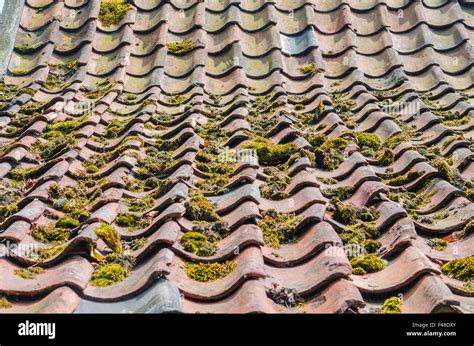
[[205, 120]]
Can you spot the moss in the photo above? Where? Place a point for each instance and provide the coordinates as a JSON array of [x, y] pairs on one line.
[[275, 184], [205, 272], [74, 199], [180, 47], [177, 100], [278, 228], [457, 122], [100, 90], [46, 253], [67, 222], [139, 204], [54, 82], [392, 305], [369, 263], [469, 286], [19, 72], [396, 139], [198, 244], [8, 203], [367, 228], [368, 140], [331, 153], [412, 200], [154, 164], [372, 245], [445, 171], [50, 149], [51, 235], [4, 303], [470, 194], [199, 208], [316, 139], [29, 273], [342, 105], [19, 174], [28, 48], [108, 274], [64, 127], [349, 214], [335, 143], [268, 152], [309, 69], [469, 228], [112, 12], [110, 236], [212, 230], [128, 220], [33, 107], [114, 128], [340, 193], [404, 179], [9, 91], [386, 157], [460, 269], [137, 244], [438, 244], [92, 169], [448, 141], [358, 271]]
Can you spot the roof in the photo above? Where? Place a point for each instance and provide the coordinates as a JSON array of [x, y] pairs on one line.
[[238, 156]]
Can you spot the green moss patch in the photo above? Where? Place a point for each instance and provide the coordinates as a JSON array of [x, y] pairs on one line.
[[110, 236], [340, 193], [367, 263], [278, 228], [205, 272], [101, 89], [412, 200], [67, 222], [29, 273], [51, 235], [269, 153], [367, 140], [198, 244], [73, 200], [330, 153], [139, 204], [404, 179], [310, 69], [438, 244], [108, 274], [349, 213], [460, 269], [128, 220], [469, 228], [396, 139], [112, 12], [180, 47], [198, 208], [385, 157], [154, 164], [4, 303], [275, 184], [392, 305]]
